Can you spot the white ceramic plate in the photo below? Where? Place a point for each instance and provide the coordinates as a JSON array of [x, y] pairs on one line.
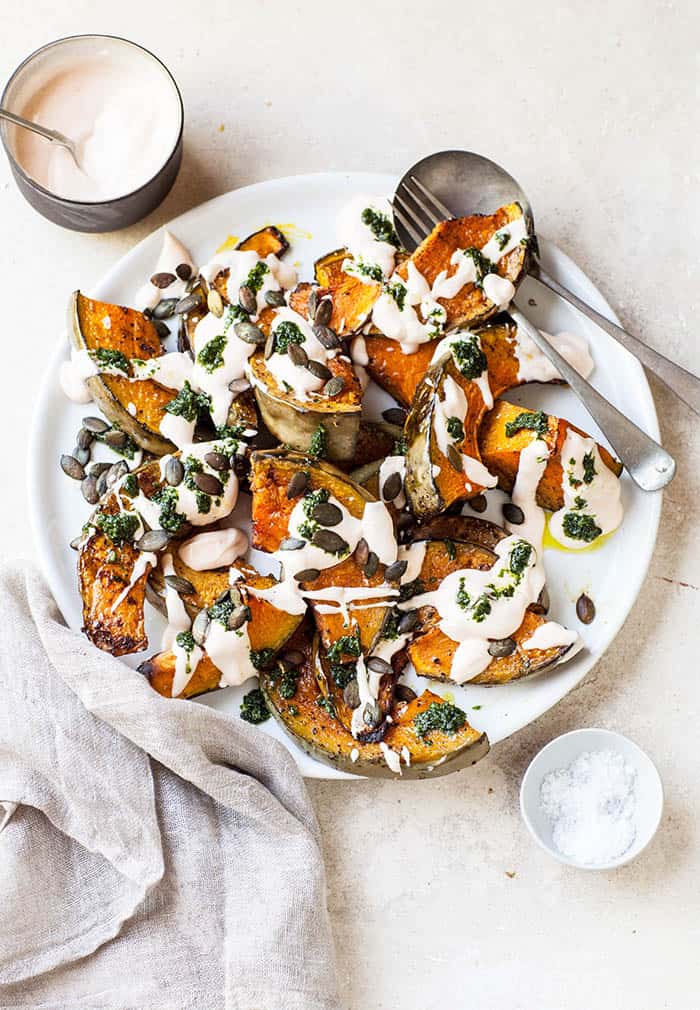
[[305, 207]]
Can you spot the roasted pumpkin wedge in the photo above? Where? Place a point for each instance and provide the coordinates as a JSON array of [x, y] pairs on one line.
[[271, 474], [298, 423], [334, 677], [352, 298], [460, 542], [470, 305], [268, 628], [500, 451], [113, 600], [263, 242], [99, 326], [443, 460], [309, 720]]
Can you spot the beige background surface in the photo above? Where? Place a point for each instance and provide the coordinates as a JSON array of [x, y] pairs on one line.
[[438, 897]]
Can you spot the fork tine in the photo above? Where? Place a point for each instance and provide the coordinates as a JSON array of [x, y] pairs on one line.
[[429, 213], [445, 211], [406, 222], [420, 219]]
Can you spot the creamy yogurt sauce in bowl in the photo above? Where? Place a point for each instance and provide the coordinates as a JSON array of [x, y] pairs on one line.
[[122, 108]]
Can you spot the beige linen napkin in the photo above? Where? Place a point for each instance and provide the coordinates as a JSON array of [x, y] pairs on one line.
[[162, 856]]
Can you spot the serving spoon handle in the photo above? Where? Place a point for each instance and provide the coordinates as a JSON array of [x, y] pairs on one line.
[[648, 464], [680, 381]]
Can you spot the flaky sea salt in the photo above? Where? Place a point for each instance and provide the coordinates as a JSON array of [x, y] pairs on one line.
[[591, 806]]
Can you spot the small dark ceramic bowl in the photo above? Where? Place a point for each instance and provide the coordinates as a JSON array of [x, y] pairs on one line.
[[106, 215]]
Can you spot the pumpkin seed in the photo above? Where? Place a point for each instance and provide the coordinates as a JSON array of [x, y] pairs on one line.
[[223, 597], [84, 438], [324, 311], [97, 469], [407, 622], [513, 514], [317, 368], [405, 527], [165, 308], [372, 714], [269, 346], [188, 303], [238, 618], [327, 337], [478, 503], [247, 299], [82, 455], [200, 626], [102, 484], [541, 605], [95, 425], [402, 692], [116, 439], [297, 485], [292, 544], [161, 329], [89, 488], [378, 665], [395, 571], [215, 303], [293, 656], [153, 540], [327, 514], [238, 386], [392, 487], [455, 458], [183, 271], [502, 647], [329, 541], [585, 609], [71, 467], [297, 355], [361, 552], [372, 565], [395, 415], [351, 694], [334, 386], [275, 299], [116, 472], [191, 284], [307, 575], [174, 472], [311, 303], [180, 585], [153, 596], [250, 333], [163, 280], [75, 542], [208, 483], [217, 461]]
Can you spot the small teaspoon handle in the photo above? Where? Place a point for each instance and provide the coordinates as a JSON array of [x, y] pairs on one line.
[[679, 380], [648, 464], [53, 135]]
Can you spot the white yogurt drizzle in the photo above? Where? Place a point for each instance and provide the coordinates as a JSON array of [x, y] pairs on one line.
[[590, 490], [214, 378], [392, 758], [214, 549], [144, 562], [244, 267], [359, 239], [534, 366], [173, 254]]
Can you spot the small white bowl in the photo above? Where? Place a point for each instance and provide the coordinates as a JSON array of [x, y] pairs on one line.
[[560, 753]]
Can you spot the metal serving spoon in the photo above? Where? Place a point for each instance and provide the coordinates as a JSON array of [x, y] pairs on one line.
[[457, 183], [51, 135]]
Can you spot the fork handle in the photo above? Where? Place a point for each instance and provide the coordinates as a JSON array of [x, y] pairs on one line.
[[648, 464], [683, 383]]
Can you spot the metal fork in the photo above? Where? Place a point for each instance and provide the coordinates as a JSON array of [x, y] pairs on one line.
[[648, 463]]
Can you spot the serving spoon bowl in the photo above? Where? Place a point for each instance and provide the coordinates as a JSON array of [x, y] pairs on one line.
[[452, 184]]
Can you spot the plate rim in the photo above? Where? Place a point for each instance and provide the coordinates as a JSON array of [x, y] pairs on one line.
[[39, 421]]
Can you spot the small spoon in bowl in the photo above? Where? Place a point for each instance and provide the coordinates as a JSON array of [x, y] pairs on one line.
[[457, 183], [53, 136]]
